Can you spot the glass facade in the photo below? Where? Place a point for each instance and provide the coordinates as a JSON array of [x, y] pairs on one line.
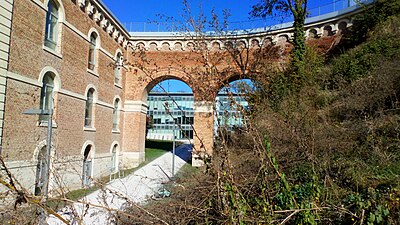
[[230, 108], [173, 114]]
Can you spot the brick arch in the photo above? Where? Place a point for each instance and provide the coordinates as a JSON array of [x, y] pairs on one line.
[[149, 80], [231, 78], [138, 85]]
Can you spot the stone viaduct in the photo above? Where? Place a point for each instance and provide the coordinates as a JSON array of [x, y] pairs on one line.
[[207, 63]]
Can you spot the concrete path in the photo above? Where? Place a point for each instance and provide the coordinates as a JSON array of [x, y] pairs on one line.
[[136, 188]]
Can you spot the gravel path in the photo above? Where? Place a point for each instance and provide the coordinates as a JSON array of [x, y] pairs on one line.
[[136, 187]]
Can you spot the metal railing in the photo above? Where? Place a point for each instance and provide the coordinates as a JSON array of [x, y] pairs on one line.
[[242, 25]]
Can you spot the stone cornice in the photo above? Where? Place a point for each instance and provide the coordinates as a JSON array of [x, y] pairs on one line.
[[315, 27], [98, 12]]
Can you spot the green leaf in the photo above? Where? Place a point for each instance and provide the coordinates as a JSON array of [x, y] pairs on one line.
[[385, 212], [379, 218], [371, 217]]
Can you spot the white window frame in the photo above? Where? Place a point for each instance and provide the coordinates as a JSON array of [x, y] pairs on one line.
[[92, 51], [116, 114], [46, 98], [118, 68], [51, 31], [89, 108]]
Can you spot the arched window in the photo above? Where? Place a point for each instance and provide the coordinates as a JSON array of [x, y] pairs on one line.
[[114, 159], [116, 114], [51, 33], [92, 52], [87, 167], [46, 96], [40, 171], [118, 68], [89, 108]]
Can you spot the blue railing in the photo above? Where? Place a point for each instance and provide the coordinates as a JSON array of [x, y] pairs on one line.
[[242, 25]]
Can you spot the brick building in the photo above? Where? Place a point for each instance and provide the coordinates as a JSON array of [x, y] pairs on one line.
[[65, 55]]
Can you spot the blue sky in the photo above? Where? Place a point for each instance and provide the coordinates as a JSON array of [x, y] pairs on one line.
[[133, 13], [142, 11]]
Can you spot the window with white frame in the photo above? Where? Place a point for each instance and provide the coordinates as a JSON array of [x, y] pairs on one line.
[[118, 68], [87, 167], [89, 108], [46, 95], [92, 51], [51, 32], [114, 162], [40, 171], [116, 114]]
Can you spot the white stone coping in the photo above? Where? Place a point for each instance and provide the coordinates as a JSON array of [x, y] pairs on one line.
[[36, 83], [203, 106], [136, 106]]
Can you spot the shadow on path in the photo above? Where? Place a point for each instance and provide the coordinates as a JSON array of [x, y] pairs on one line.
[[184, 152]]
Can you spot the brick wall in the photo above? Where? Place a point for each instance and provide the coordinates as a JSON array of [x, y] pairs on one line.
[[27, 58]]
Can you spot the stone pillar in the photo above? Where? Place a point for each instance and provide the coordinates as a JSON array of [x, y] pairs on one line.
[[6, 13], [134, 133], [203, 131]]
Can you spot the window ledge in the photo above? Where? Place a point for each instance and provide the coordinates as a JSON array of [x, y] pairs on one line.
[[92, 72], [116, 131], [91, 129], [44, 124], [52, 51], [117, 85]]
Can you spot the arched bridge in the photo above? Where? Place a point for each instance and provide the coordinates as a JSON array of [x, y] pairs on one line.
[[207, 62]]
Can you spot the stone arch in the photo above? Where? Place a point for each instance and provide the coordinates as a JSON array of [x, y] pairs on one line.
[[59, 27], [255, 43], [95, 93], [216, 45], [283, 39], [119, 99], [268, 41], [312, 33], [57, 79], [116, 53], [231, 78], [140, 45], [115, 156], [98, 41], [129, 44], [41, 145], [328, 30], [165, 74], [40, 163], [165, 46], [241, 44], [61, 13], [88, 155], [178, 46], [202, 45], [190, 45], [153, 46], [228, 45], [342, 26], [92, 150]]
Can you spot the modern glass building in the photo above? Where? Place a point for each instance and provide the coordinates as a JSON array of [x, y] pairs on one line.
[[230, 108], [173, 114]]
